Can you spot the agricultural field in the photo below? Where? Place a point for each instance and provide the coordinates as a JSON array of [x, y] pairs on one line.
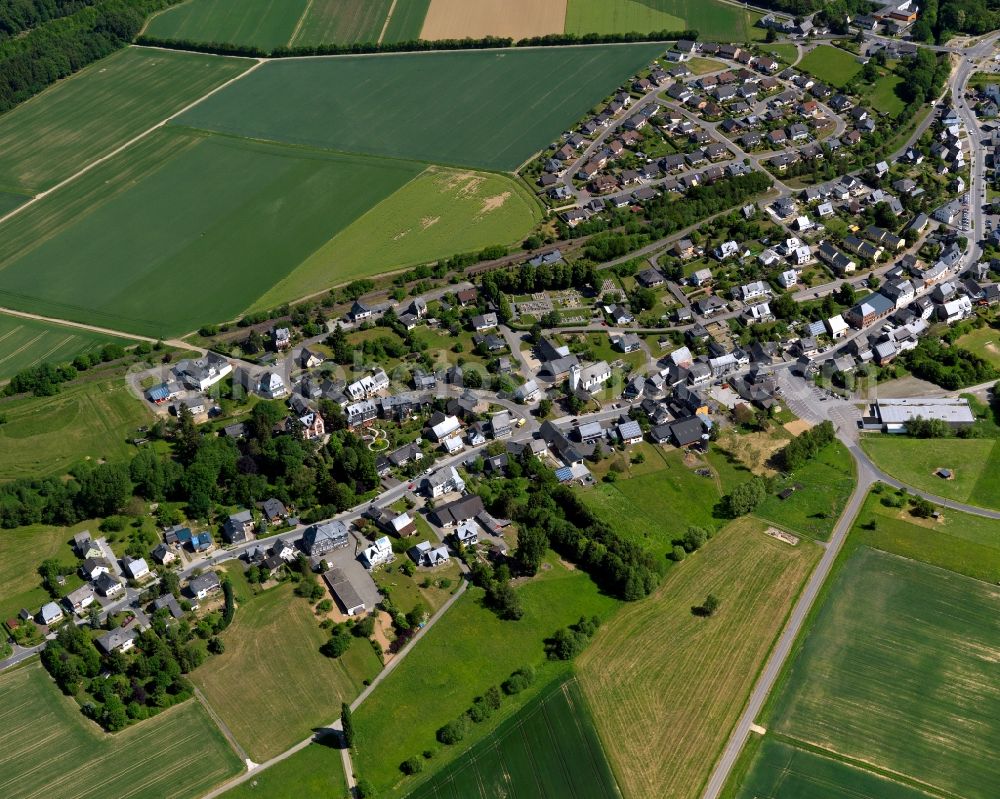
[[86, 116], [315, 772], [341, 22], [258, 23], [47, 747], [974, 463], [439, 213], [899, 671], [406, 21], [549, 748], [666, 685], [46, 435], [985, 342], [468, 650], [28, 342], [712, 19], [517, 19], [177, 214], [830, 65], [272, 686], [9, 201], [430, 106]]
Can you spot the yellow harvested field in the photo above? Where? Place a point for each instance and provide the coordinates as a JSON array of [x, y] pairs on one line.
[[667, 685], [518, 19]]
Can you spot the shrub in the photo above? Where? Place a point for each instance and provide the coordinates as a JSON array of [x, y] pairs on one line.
[[454, 731]]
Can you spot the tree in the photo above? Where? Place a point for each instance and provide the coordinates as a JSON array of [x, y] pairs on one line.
[[544, 408], [412, 765], [115, 716], [338, 644], [710, 605], [347, 724], [922, 508], [746, 496], [454, 731], [694, 538], [531, 545]]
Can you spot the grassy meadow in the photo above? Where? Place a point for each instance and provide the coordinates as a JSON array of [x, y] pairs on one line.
[[28, 342], [430, 106], [47, 747], [261, 23], [315, 772], [271, 686], [713, 20], [830, 65], [51, 136], [666, 685], [985, 342]]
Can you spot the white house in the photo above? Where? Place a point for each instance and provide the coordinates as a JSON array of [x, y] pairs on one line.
[[377, 554], [788, 278], [727, 250], [446, 428], [837, 326], [136, 568], [50, 613], [443, 481], [467, 533], [590, 378], [272, 386]]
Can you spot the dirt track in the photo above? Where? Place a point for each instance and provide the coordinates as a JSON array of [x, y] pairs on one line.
[[518, 19]]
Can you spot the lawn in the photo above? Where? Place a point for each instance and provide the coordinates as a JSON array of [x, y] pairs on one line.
[[465, 653], [316, 771], [27, 342], [913, 461], [183, 229], [341, 22], [783, 771], [549, 748], [485, 109], [441, 212], [783, 52], [47, 435], [81, 118], [899, 671], [271, 686], [406, 21], [713, 20], [47, 747], [985, 342], [666, 685], [830, 65], [882, 94], [259, 23]]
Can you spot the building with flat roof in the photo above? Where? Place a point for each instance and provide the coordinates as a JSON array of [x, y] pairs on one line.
[[892, 415]]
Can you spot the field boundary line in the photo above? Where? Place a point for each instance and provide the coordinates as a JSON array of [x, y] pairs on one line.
[[79, 325], [385, 25], [153, 16], [300, 23], [223, 728]]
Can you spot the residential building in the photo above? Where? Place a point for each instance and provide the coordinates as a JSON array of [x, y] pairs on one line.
[[442, 482], [238, 528], [379, 553], [322, 538]]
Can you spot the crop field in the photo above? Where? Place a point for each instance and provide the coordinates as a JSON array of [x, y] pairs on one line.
[[899, 671], [261, 23], [272, 686], [517, 19], [315, 772], [406, 21], [47, 435], [985, 342], [467, 651], [548, 749], [485, 109], [183, 229], [973, 461], [27, 342], [830, 65], [439, 213], [341, 22], [666, 685], [10, 201], [48, 749], [783, 771], [713, 20], [83, 117]]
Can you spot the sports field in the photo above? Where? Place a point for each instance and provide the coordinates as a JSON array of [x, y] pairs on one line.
[[315, 772], [985, 342], [341, 22], [666, 686], [439, 213], [899, 671], [261, 23], [47, 435], [183, 229], [272, 686], [712, 19], [783, 771], [48, 749], [516, 19], [548, 749], [88, 115], [485, 109], [830, 65], [27, 342]]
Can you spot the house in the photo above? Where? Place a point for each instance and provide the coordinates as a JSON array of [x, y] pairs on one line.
[[751, 291], [135, 568], [590, 378], [788, 278], [701, 277], [955, 310], [684, 249], [322, 538], [238, 528], [727, 249], [79, 599], [169, 602], [871, 309], [203, 373], [379, 553], [447, 427], [203, 585], [457, 511], [629, 432], [629, 342], [650, 278], [85, 546], [92, 568], [283, 549], [443, 481], [467, 533], [274, 510], [282, 338], [527, 392], [344, 592], [117, 640], [837, 327], [423, 554], [359, 312], [200, 542], [50, 613], [402, 525], [271, 386], [109, 585], [686, 432], [484, 322]]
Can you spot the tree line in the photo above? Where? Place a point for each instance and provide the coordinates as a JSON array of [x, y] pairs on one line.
[[18, 16], [950, 367], [806, 446]]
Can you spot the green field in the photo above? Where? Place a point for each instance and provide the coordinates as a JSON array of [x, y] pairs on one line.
[[548, 749], [830, 65], [783, 52], [899, 671], [975, 465], [465, 653], [27, 342], [271, 686], [407, 20], [713, 20], [183, 229], [48, 749], [50, 137], [439, 213], [341, 22], [47, 435], [985, 342], [485, 109], [882, 95], [261, 23], [783, 771], [10, 201], [315, 772]]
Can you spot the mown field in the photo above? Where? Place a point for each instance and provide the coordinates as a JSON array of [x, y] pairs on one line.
[[341, 22], [315, 772], [262, 23], [899, 671], [48, 749], [548, 749], [465, 653], [985, 342], [666, 685], [271, 686], [437, 214], [27, 342], [491, 110], [975, 465], [183, 229], [713, 20], [47, 435], [830, 65], [81, 118]]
